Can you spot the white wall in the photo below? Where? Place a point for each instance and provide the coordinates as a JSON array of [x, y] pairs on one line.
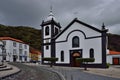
[[47, 53], [9, 50], [85, 44], [76, 26]]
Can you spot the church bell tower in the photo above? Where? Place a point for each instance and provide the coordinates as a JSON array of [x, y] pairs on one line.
[[50, 28]]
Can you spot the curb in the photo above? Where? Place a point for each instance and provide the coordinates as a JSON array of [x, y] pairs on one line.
[[9, 68], [3, 77], [3, 66]]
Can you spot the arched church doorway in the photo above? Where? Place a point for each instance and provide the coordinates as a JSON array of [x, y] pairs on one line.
[[74, 62]]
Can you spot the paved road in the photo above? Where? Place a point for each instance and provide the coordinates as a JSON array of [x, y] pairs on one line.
[[40, 73], [78, 74], [32, 73]]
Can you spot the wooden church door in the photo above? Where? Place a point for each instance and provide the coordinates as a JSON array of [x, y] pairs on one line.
[[74, 62]]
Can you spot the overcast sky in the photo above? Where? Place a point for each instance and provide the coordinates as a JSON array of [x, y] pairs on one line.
[[32, 12]]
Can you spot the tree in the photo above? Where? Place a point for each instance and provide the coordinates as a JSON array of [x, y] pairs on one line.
[[85, 61], [52, 60]]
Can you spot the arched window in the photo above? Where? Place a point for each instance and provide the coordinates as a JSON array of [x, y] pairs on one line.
[[91, 53], [47, 30], [62, 56], [56, 31], [75, 41]]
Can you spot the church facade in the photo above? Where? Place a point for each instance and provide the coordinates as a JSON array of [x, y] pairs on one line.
[[77, 40]]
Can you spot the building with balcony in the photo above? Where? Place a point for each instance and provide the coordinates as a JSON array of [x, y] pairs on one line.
[[15, 50]]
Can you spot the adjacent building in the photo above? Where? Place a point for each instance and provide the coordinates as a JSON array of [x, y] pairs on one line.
[[15, 50], [113, 57], [77, 40], [35, 55]]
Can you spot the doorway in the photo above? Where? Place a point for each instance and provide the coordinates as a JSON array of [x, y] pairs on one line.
[[14, 58], [74, 62], [77, 53], [116, 61]]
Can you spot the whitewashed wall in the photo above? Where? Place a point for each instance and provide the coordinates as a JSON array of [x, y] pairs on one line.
[[76, 26], [47, 53], [9, 50], [85, 44]]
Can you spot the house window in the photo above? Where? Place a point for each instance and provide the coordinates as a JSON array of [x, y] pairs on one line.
[[20, 45], [25, 46], [14, 44], [62, 56], [47, 30], [75, 41], [20, 51], [47, 47], [25, 58], [25, 53], [4, 42], [20, 57], [14, 51], [91, 53]]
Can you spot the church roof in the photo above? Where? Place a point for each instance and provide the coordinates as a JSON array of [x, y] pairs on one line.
[[78, 21], [50, 17]]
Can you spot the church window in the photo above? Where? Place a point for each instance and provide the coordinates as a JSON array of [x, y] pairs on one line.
[[91, 53], [47, 47], [62, 56], [47, 30], [75, 41], [56, 31]]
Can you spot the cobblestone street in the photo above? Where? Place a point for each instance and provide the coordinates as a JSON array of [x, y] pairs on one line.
[[75, 73], [79, 74], [32, 73], [44, 72]]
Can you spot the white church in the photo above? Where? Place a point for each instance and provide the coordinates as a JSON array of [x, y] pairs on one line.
[[76, 40]]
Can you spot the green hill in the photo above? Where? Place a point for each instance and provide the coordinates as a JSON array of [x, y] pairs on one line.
[[32, 36], [27, 34], [114, 42]]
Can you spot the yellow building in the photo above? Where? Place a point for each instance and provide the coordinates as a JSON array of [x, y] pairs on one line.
[[35, 55]]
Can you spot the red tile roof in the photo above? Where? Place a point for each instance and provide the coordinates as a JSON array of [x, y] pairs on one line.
[[34, 51], [114, 52], [9, 38]]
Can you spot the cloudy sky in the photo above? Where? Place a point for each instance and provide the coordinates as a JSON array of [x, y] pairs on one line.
[[32, 12]]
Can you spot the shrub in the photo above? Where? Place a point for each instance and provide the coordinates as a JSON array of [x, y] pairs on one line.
[[85, 61], [108, 65], [51, 59]]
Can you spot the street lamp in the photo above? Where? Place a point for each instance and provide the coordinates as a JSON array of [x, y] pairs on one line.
[[2, 47]]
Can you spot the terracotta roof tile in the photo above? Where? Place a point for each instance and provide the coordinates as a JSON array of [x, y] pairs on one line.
[[34, 51], [113, 52], [13, 39]]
